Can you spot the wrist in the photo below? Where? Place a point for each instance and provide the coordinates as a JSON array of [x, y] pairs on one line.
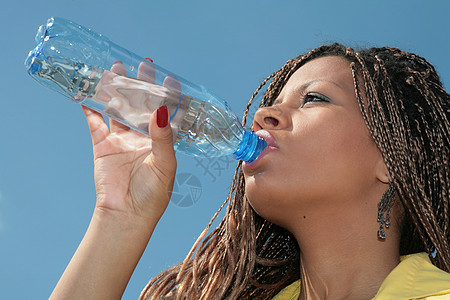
[[119, 221]]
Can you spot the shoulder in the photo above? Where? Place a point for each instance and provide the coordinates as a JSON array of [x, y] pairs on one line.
[[292, 291], [415, 278]]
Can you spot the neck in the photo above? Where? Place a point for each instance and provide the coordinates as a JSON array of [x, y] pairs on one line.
[[342, 259]]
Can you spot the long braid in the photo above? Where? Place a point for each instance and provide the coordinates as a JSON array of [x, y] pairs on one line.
[[411, 121]]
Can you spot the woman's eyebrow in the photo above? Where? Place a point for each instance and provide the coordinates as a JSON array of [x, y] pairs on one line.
[[299, 90]]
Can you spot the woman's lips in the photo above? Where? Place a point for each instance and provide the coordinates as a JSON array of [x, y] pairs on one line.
[[271, 146], [268, 137]]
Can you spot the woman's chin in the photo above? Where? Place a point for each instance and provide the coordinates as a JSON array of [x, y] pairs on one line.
[[260, 200]]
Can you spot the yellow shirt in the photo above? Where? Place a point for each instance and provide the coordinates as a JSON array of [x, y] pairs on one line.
[[414, 278]]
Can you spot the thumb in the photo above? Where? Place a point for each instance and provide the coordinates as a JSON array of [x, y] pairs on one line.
[[161, 134]]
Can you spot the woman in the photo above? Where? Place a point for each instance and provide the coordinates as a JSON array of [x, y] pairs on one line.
[[351, 198]]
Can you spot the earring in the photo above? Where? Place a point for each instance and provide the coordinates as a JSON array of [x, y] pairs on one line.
[[384, 206]]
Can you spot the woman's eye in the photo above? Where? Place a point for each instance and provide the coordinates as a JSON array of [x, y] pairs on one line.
[[312, 97]]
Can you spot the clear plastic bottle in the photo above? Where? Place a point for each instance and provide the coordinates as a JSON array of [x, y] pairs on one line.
[[88, 68]]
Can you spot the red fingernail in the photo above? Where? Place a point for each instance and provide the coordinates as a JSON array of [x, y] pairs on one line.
[[148, 58], [162, 117]]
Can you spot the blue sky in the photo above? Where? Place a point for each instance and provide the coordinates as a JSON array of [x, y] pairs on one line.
[[46, 171]]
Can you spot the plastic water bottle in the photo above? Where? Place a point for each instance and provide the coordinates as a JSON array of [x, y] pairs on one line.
[[89, 69]]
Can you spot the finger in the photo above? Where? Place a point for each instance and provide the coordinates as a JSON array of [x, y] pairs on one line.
[[172, 82], [97, 125], [119, 68], [161, 135], [146, 71], [116, 109], [117, 127]]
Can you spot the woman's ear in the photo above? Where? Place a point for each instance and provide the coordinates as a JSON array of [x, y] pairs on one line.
[[381, 171]]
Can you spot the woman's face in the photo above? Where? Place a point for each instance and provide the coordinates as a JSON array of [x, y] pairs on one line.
[[321, 157]]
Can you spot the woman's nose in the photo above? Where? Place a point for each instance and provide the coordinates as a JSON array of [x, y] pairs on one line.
[[270, 117]]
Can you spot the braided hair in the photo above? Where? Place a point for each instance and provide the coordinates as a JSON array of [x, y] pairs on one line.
[[406, 110]]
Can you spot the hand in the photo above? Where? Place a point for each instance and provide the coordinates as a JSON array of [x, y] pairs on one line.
[[134, 174], [134, 177]]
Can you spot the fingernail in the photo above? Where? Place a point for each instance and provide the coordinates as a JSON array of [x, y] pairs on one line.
[[162, 117], [148, 58], [118, 62]]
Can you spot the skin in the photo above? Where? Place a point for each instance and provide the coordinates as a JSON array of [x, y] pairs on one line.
[[323, 183], [133, 178]]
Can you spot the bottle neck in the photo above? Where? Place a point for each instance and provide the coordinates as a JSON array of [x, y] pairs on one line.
[[250, 146]]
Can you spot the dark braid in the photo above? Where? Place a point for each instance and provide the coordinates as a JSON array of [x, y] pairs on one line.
[[406, 110], [412, 125]]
